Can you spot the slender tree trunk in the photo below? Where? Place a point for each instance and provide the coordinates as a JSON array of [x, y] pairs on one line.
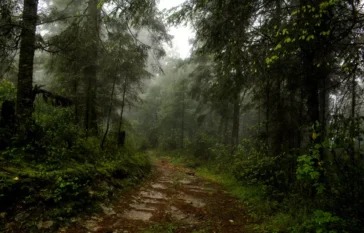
[[267, 109], [236, 120], [323, 106], [353, 94], [226, 127], [301, 110], [76, 101], [122, 110], [221, 124], [353, 113], [183, 115], [25, 97], [109, 114], [90, 72]]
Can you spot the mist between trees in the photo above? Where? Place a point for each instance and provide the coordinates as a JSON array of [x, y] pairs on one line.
[[272, 96]]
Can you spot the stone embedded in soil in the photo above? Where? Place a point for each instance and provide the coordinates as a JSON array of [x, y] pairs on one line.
[[158, 186], [195, 202], [153, 195], [92, 225], [149, 201], [167, 181], [45, 225], [107, 210], [137, 215], [185, 181], [178, 215], [198, 191], [142, 206], [201, 188]]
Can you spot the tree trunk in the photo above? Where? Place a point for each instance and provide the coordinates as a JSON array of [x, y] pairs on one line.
[[353, 114], [267, 109], [183, 115], [25, 95], [353, 94], [226, 128], [236, 121], [109, 115], [120, 137], [90, 72], [220, 130], [76, 101]]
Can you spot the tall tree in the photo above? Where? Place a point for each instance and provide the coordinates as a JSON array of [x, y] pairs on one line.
[[91, 70], [25, 96]]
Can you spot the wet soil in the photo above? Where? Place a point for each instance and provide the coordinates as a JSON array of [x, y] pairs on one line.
[[173, 197]]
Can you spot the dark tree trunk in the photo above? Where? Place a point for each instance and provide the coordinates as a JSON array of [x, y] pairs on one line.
[[90, 72], [236, 121], [76, 101], [25, 95], [90, 114], [353, 94], [220, 130], [267, 109], [353, 113], [109, 115], [121, 135], [226, 128], [183, 116]]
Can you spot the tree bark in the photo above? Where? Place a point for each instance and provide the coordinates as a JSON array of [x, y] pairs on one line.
[[25, 95], [109, 115], [183, 114], [226, 129], [75, 100], [236, 120], [90, 72], [122, 110]]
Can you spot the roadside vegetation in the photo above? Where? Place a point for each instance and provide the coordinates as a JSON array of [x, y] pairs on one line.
[[69, 73], [270, 103]]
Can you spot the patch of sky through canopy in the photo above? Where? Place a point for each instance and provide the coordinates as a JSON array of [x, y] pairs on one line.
[[182, 34]]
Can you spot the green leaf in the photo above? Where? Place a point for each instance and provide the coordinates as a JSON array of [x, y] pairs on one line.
[[101, 3], [311, 37], [278, 46], [287, 40]]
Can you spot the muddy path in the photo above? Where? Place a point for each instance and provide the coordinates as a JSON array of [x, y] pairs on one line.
[[174, 200]]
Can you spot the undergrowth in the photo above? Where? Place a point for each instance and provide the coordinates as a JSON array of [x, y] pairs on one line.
[[52, 171], [269, 215]]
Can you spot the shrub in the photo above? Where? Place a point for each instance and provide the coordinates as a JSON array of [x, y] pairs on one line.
[[7, 91]]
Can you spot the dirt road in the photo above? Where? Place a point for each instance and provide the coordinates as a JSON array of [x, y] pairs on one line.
[[174, 201]]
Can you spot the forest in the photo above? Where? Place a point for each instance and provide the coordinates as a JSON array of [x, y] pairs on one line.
[[269, 105]]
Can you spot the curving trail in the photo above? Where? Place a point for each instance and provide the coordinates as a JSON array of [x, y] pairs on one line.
[[173, 201]]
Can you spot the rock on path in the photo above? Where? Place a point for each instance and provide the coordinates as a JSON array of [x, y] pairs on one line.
[[174, 197]]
